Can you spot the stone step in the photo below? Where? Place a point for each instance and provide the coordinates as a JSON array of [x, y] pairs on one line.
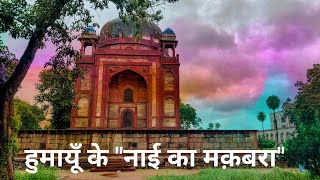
[[118, 164], [112, 169], [114, 165]]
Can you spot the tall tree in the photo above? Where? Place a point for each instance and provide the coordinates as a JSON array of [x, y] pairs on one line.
[[218, 125], [273, 102], [261, 117], [56, 94], [188, 117], [31, 115], [305, 114], [210, 126], [43, 20]]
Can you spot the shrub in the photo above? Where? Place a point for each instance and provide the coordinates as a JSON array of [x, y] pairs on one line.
[[305, 149], [265, 143], [47, 173]]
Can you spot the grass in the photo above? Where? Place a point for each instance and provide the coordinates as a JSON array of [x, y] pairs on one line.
[[44, 173], [238, 174]]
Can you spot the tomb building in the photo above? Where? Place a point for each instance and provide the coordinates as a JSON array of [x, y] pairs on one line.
[[128, 82]]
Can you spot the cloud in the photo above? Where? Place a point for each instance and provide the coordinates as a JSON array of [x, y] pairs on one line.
[[234, 54], [214, 67], [193, 33], [231, 51], [28, 90]]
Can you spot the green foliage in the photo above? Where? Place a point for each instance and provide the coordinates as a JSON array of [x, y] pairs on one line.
[[31, 115], [238, 174], [55, 20], [188, 117], [265, 143], [11, 147], [261, 116], [210, 126], [56, 93], [47, 173], [15, 125], [305, 148], [305, 114], [8, 62], [218, 125], [273, 102], [22, 19]]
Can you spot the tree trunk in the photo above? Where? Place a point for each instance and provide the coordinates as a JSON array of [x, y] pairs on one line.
[[275, 125], [262, 129], [2, 73], [9, 88], [6, 154]]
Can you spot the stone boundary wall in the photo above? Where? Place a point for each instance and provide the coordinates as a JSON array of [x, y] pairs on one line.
[[137, 139]]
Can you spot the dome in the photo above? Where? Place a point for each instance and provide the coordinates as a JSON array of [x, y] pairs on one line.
[[113, 27], [168, 31], [90, 30]]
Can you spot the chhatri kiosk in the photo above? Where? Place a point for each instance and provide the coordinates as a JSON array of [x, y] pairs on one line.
[[128, 83]]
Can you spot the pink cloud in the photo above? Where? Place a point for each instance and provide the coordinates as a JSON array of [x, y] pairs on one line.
[[215, 69], [28, 89]]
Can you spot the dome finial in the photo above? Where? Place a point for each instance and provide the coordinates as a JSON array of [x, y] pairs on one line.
[[168, 31], [89, 30], [168, 34], [88, 33]]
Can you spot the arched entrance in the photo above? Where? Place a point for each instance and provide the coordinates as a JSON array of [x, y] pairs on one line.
[[127, 100], [127, 119]]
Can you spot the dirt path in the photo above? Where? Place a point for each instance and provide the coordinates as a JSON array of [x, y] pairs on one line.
[[135, 175]]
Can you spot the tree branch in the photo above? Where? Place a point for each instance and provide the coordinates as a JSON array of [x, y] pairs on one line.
[[14, 82]]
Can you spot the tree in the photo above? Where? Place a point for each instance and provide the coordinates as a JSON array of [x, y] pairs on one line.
[[261, 117], [305, 114], [273, 102], [188, 117], [218, 125], [30, 115], [210, 126], [43, 20], [56, 94], [264, 143]]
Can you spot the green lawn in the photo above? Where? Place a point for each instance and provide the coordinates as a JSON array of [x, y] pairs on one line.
[[239, 174]]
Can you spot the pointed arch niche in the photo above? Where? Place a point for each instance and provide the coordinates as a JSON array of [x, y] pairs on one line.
[[127, 90]]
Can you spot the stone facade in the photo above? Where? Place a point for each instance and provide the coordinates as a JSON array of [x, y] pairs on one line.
[[283, 134], [127, 83], [282, 120], [286, 129], [135, 139], [138, 139]]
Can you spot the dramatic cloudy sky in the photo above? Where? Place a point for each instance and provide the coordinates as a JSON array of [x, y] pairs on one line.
[[234, 54]]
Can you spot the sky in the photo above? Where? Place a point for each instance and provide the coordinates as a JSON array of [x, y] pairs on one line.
[[233, 54]]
